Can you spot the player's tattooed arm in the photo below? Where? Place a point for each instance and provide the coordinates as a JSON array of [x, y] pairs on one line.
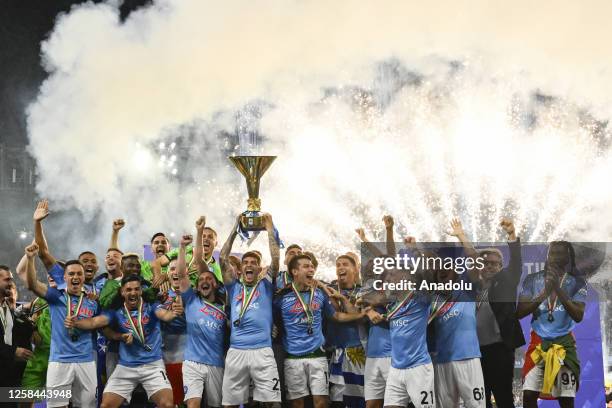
[[36, 286], [274, 248], [181, 265], [41, 212], [226, 269], [117, 225]]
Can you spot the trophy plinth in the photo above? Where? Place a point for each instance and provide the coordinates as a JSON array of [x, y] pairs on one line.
[[252, 168]]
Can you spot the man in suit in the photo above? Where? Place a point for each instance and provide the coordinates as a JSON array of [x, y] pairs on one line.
[[499, 330], [13, 333]]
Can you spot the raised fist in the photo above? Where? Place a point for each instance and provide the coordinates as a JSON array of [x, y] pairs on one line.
[[388, 220], [410, 242], [186, 240], [200, 223], [31, 251], [507, 225], [118, 224]]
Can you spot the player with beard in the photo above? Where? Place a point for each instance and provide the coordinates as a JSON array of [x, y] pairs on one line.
[[284, 278], [206, 317], [301, 307], [195, 255], [555, 297], [250, 355], [174, 335], [140, 354], [71, 362], [56, 270], [159, 247], [454, 343], [348, 363]]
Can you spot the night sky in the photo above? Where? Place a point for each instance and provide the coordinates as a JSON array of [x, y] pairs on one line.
[[23, 25]]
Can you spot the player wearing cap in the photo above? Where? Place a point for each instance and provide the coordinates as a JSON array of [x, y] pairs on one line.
[[140, 354], [250, 356], [555, 297], [71, 361]]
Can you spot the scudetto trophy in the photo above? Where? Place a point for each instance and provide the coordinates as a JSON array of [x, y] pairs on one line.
[[252, 168]]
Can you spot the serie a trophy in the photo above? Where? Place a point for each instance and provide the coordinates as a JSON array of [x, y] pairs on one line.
[[252, 168]]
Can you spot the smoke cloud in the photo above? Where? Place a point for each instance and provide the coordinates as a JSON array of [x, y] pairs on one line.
[[423, 111]]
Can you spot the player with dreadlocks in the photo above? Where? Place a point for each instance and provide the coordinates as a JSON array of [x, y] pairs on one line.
[[555, 297]]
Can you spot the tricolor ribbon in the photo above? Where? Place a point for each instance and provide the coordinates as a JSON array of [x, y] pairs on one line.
[[137, 328], [398, 305], [247, 297], [307, 307], [69, 310], [438, 307], [214, 307]]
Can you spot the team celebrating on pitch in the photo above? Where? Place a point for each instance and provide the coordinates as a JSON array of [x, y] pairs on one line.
[[196, 331]]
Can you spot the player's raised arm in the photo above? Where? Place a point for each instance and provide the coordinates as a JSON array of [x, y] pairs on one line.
[[226, 250], [117, 225], [41, 212], [389, 223], [198, 250], [363, 238], [456, 230], [181, 265], [274, 248], [36, 286]]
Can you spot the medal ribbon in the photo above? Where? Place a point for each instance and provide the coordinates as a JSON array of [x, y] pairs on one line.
[[307, 308], [69, 309], [215, 307], [398, 306], [552, 305], [246, 297], [137, 329], [437, 310]]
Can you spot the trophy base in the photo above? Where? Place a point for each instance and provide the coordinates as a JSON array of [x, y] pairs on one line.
[[252, 221]]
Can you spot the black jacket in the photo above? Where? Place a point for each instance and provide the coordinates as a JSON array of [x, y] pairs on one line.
[[502, 298], [12, 370]]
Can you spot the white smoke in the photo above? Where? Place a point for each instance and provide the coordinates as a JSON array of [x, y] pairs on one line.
[[423, 111]]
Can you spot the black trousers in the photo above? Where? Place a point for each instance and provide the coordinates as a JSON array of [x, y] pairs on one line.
[[498, 370]]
